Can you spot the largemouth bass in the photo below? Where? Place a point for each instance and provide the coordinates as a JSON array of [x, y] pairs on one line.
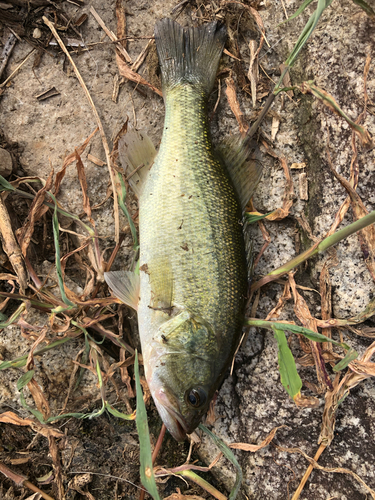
[[192, 284]]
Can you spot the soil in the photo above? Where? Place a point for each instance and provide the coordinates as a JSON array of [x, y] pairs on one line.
[[99, 457]]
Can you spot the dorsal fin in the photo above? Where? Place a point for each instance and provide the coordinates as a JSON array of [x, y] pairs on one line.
[[137, 154], [241, 157], [125, 286]]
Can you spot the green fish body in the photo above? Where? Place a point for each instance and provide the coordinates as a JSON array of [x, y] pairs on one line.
[[193, 272]]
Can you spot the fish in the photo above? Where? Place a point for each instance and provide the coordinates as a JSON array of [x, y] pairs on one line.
[[192, 282]]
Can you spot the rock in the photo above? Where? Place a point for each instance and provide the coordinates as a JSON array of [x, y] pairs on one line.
[[5, 163]]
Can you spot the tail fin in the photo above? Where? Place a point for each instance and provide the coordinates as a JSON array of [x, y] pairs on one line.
[[189, 55]]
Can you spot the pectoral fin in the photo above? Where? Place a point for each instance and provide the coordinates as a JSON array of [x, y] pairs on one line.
[[137, 154], [125, 286], [241, 157], [160, 277]]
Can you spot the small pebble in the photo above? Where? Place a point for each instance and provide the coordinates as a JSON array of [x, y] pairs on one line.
[[37, 33]]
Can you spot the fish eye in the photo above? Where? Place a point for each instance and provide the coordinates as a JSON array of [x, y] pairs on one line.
[[196, 397]]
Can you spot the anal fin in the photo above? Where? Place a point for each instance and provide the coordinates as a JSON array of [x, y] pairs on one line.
[[125, 286]]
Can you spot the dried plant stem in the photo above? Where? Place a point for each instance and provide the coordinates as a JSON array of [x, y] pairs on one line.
[[306, 476], [34, 488], [202, 483], [21, 480], [98, 121], [159, 443], [17, 69], [111, 35]]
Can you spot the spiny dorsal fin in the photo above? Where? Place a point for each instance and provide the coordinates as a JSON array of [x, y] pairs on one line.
[[241, 157], [136, 149], [125, 286]]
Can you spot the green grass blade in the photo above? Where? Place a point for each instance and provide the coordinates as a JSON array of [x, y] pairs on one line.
[[228, 453], [299, 11], [5, 185], [287, 367], [365, 6], [326, 243], [189, 474], [307, 31], [119, 414], [36, 413], [55, 225], [121, 201], [13, 317], [25, 379], [65, 415], [310, 334], [351, 355], [21, 361], [251, 218], [147, 470]]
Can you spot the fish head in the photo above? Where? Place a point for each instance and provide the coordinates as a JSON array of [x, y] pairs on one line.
[[182, 372]]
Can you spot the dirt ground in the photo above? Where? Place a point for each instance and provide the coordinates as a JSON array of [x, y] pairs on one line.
[[98, 457]]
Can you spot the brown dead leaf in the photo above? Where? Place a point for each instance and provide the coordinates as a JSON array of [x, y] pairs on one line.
[[235, 105], [362, 369], [96, 160], [19, 461], [37, 209], [276, 311], [30, 358], [256, 447], [11, 418], [71, 158], [303, 314], [39, 398], [126, 72], [11, 248], [125, 377], [253, 73], [307, 401]]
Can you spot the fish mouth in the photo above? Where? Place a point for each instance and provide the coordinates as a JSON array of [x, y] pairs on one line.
[[173, 420]]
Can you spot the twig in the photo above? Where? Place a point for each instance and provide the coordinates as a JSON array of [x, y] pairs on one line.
[[7, 50], [308, 472], [142, 56], [98, 121], [111, 35], [21, 480], [18, 68]]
